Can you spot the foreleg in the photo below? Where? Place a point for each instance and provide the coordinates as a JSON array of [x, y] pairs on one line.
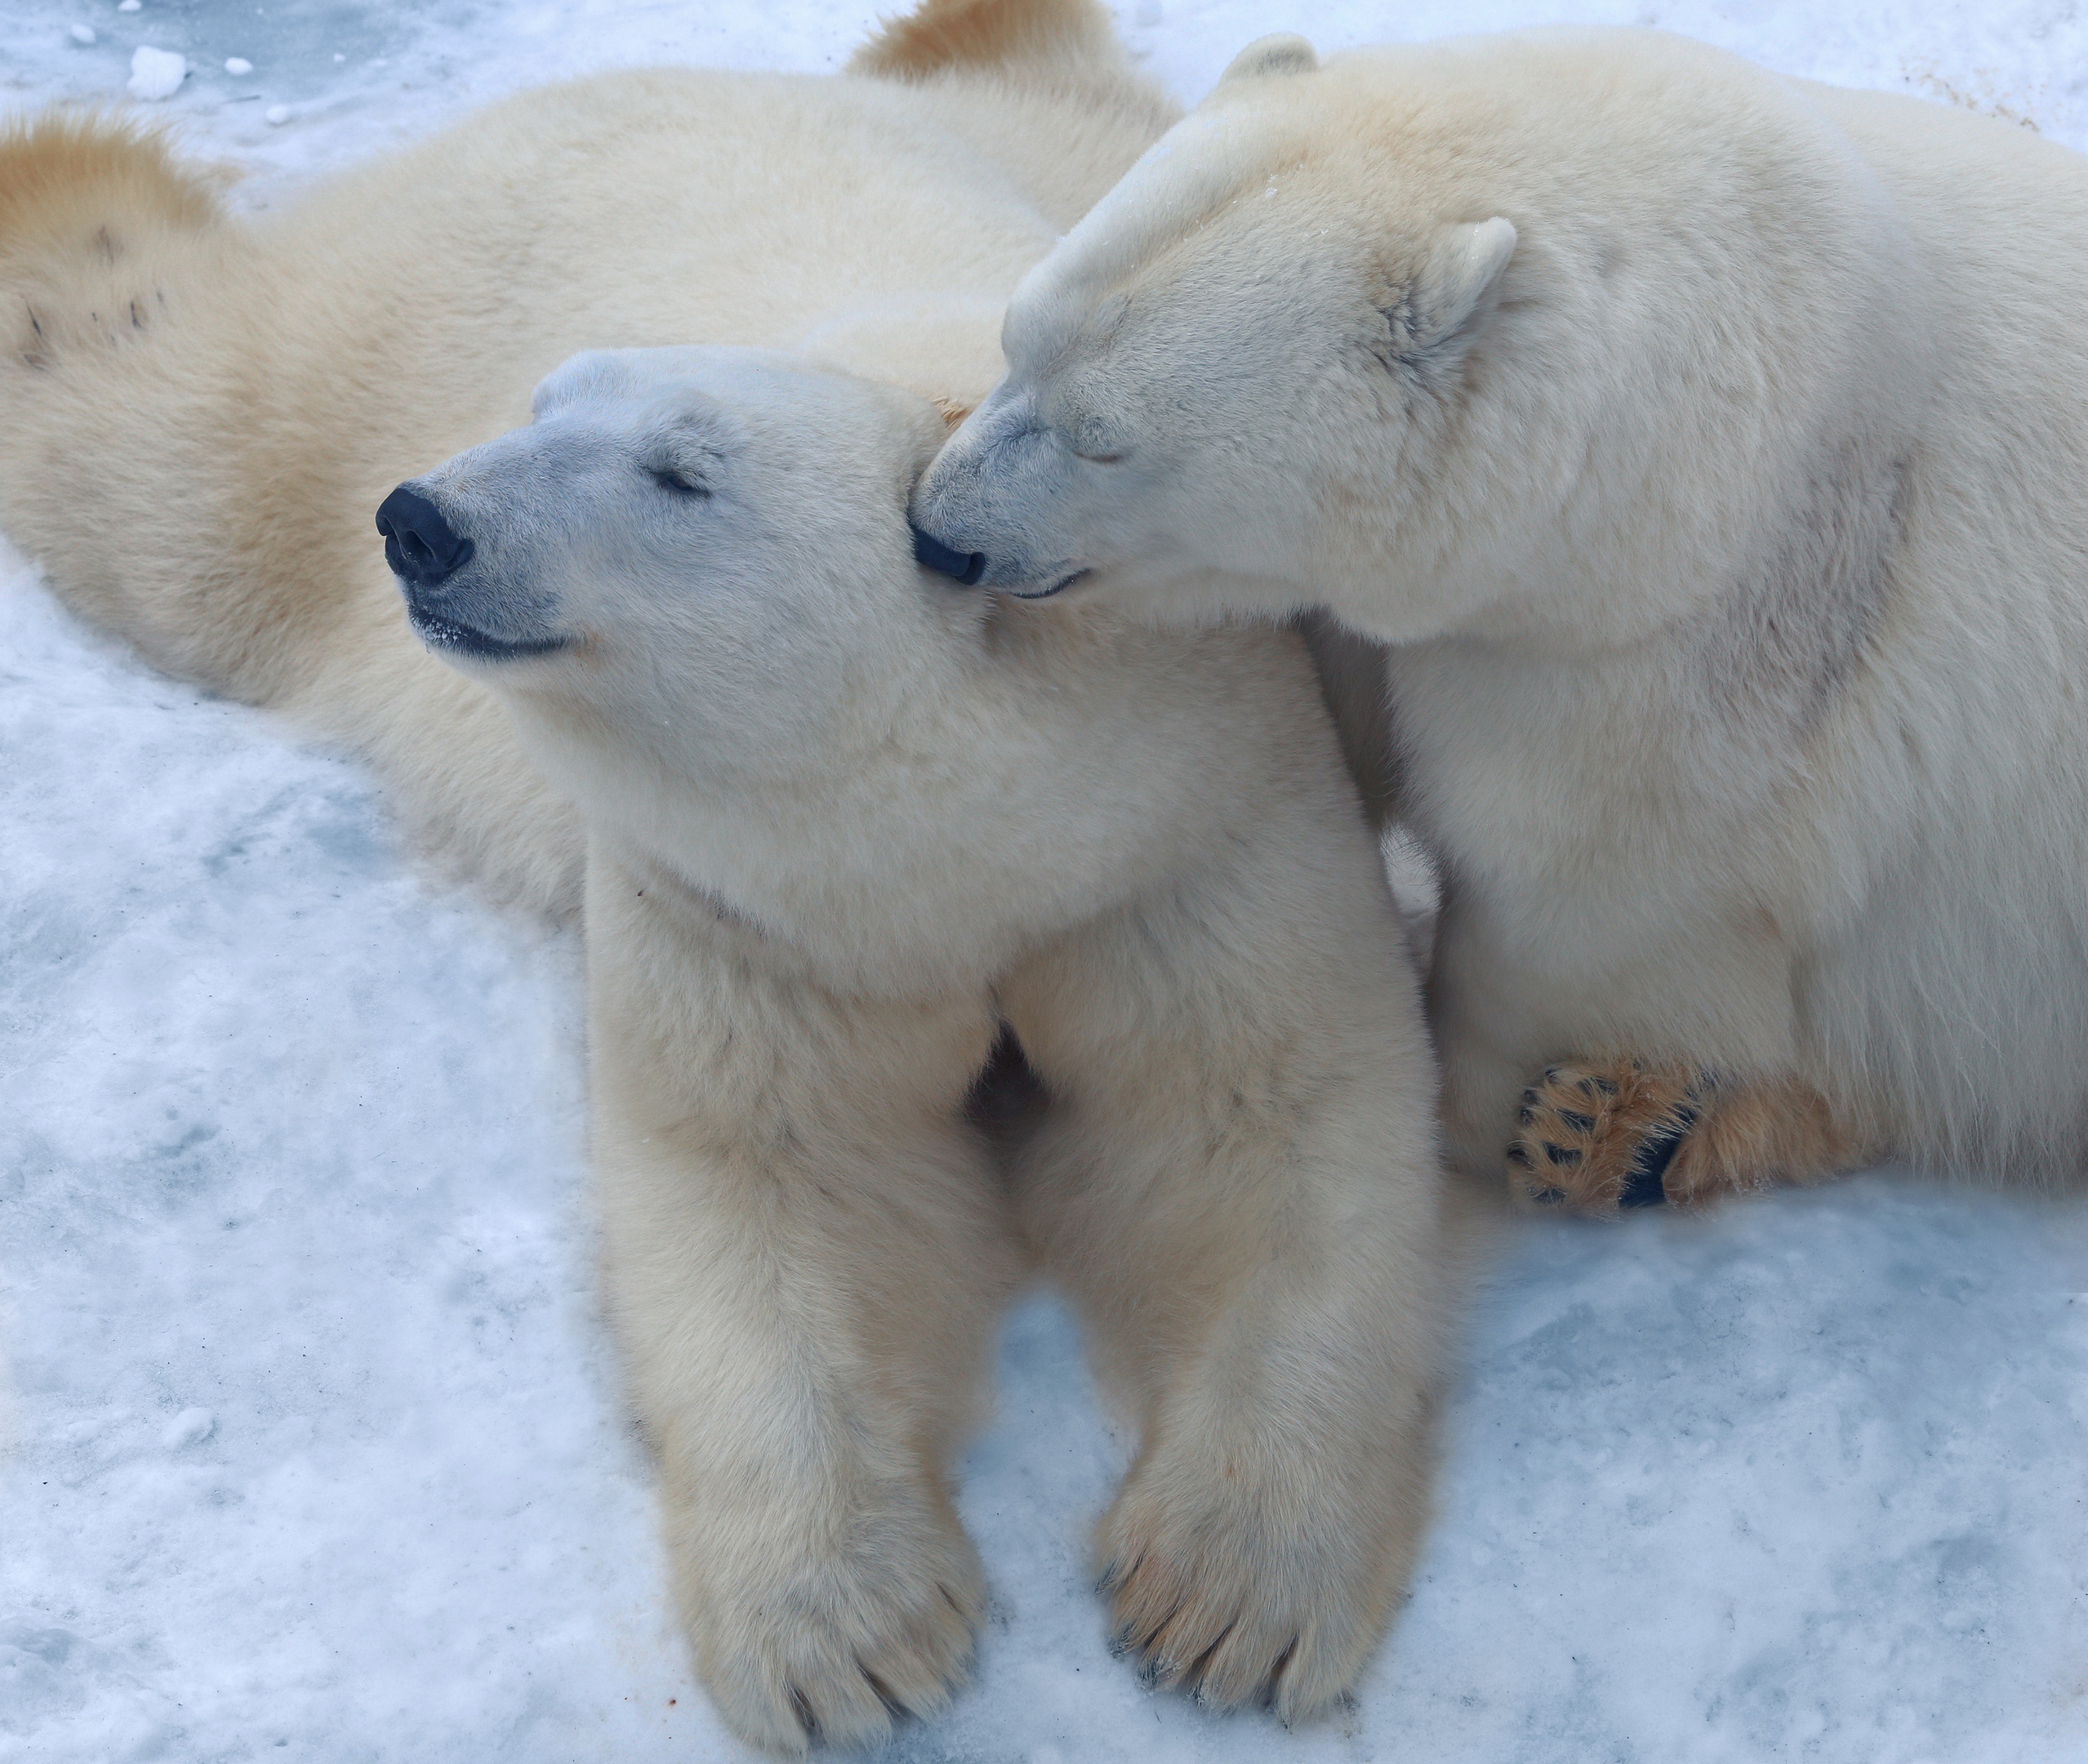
[[806, 1252]]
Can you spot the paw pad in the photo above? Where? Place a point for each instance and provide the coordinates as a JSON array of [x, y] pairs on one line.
[[1602, 1139]]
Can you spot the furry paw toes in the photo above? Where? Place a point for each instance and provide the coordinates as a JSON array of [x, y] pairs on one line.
[[1211, 1607], [835, 1654], [1596, 1138]]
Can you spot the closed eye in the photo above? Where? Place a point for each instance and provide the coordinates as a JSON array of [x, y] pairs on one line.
[[680, 483], [1086, 442]]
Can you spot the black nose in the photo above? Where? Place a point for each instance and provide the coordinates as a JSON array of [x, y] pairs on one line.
[[931, 553], [421, 547]]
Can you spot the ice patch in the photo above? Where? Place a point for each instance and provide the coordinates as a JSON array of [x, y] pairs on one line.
[[81, 33], [238, 64], [157, 73]]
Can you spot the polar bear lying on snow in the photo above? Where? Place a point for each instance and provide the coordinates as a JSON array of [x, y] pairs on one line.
[[843, 823], [1708, 446]]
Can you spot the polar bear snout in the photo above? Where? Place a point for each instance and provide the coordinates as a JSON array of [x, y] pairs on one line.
[[420, 545], [454, 610], [931, 553], [995, 507]]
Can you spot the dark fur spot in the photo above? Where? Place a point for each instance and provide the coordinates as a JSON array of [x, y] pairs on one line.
[[1578, 1123], [36, 355], [1559, 1154]]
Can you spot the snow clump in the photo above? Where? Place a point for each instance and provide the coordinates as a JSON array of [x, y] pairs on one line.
[[157, 73]]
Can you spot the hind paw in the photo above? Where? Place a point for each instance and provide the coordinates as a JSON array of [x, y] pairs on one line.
[[1596, 1138]]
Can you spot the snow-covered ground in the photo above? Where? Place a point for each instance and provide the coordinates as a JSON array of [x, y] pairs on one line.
[[314, 1447]]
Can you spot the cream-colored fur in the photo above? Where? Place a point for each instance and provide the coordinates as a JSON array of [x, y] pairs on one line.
[[1707, 446], [171, 381], [841, 821]]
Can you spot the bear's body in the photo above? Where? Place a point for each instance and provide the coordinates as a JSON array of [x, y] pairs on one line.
[[1707, 446], [841, 821]]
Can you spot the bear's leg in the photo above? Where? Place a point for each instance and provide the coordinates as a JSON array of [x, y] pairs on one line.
[[805, 1252], [1596, 1138], [1241, 1197]]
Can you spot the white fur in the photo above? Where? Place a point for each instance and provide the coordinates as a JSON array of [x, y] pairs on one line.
[[416, 301], [840, 820], [1707, 445], [844, 818]]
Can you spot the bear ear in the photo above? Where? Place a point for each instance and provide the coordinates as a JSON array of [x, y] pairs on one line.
[[1282, 53], [1467, 262]]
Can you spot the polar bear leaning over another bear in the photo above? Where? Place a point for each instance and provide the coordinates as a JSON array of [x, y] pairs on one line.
[[1708, 446], [842, 822]]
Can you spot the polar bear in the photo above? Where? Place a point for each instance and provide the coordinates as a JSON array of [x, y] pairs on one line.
[[1706, 446], [846, 821], [844, 827]]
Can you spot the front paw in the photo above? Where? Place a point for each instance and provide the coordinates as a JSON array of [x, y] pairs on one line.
[[1234, 1584], [1594, 1138], [834, 1629]]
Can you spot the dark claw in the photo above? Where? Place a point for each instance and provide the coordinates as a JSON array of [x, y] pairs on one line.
[[801, 1707], [1525, 1114], [1202, 1664], [893, 1707], [1275, 1673], [1116, 1574], [1517, 1156]]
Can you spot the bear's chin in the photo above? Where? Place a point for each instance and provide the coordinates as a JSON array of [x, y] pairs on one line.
[[449, 639]]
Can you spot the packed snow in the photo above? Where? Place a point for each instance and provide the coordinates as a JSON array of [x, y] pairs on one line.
[[313, 1445]]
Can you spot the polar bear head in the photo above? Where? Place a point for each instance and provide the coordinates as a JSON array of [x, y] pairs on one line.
[[678, 535], [690, 581], [1174, 366], [1423, 332]]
